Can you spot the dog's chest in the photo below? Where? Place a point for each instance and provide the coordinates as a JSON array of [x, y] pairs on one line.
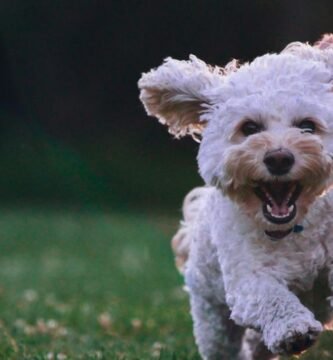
[[298, 261]]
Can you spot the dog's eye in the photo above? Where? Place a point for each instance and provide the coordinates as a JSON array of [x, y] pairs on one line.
[[307, 126], [250, 127]]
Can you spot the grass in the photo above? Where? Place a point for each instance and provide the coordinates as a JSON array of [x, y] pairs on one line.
[[90, 286], [93, 285]]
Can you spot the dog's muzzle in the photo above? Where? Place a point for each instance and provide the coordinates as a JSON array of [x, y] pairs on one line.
[[279, 200], [279, 162]]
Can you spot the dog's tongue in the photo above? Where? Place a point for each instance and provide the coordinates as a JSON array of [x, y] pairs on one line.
[[279, 210], [279, 194]]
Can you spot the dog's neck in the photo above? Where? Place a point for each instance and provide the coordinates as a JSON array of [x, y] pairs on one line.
[[277, 235]]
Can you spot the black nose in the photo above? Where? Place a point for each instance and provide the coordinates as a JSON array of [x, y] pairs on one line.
[[279, 162]]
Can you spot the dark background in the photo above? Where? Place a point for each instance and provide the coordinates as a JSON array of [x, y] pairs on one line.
[[72, 130]]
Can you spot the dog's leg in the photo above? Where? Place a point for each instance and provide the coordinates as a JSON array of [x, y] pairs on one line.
[[217, 337], [263, 303], [329, 317], [253, 347]]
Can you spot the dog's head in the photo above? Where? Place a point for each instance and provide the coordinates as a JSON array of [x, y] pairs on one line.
[[266, 126]]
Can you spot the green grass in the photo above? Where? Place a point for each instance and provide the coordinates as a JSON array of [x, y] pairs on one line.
[[94, 285], [90, 286]]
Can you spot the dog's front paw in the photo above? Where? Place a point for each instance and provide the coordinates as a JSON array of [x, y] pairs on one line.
[[296, 343], [296, 337]]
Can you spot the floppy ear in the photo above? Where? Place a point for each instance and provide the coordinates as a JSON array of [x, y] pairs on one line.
[[326, 42], [177, 93]]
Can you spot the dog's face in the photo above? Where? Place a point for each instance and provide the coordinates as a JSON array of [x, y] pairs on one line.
[[266, 127], [273, 159]]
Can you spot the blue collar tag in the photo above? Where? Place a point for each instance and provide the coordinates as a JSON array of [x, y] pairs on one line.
[[298, 228]]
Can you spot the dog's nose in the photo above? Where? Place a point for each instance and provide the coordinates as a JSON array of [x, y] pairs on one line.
[[279, 161]]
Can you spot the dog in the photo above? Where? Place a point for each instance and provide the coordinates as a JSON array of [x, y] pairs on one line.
[[256, 242]]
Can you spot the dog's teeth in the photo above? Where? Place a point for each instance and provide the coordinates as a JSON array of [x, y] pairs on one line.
[[268, 196], [290, 209]]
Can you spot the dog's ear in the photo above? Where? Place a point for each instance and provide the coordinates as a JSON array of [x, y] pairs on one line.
[[177, 94], [326, 42]]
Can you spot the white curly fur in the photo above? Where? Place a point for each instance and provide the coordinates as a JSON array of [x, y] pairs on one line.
[[238, 275]]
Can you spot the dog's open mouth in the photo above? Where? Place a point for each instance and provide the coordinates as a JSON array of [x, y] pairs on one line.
[[279, 200]]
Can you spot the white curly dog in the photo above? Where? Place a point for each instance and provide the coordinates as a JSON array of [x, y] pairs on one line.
[[258, 239]]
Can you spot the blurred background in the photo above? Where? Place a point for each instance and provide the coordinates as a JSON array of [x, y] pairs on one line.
[[72, 128], [90, 186]]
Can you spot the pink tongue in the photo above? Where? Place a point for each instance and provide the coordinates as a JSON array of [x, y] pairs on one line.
[[279, 210]]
